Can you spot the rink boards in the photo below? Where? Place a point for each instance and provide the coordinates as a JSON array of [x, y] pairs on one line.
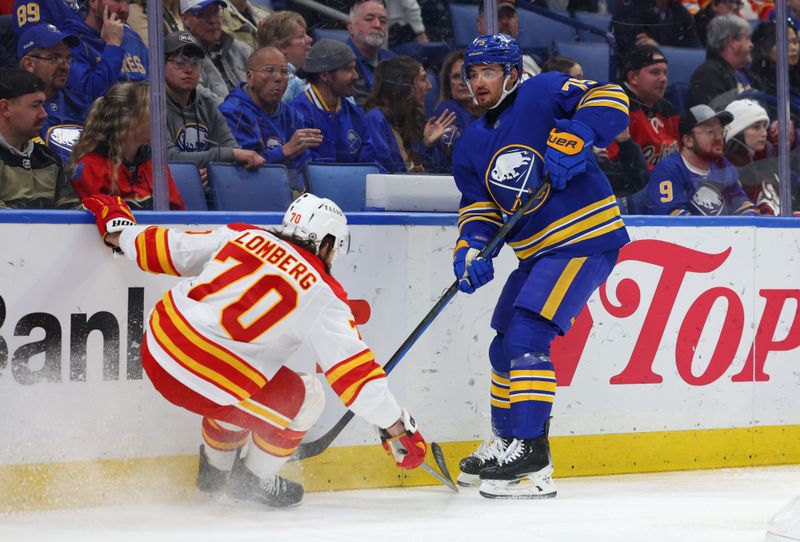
[[688, 357]]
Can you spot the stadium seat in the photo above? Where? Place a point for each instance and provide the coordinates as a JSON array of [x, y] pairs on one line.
[[187, 179], [676, 95], [329, 34], [598, 21], [346, 184], [432, 98], [683, 62], [237, 189], [463, 17], [593, 57], [537, 33]]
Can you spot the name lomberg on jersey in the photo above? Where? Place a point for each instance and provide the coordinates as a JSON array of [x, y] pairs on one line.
[[269, 252]]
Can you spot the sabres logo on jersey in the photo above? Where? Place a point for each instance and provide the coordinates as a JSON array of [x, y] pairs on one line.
[[192, 137], [353, 141], [511, 175]]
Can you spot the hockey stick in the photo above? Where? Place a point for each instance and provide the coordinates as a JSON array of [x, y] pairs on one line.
[[310, 449]]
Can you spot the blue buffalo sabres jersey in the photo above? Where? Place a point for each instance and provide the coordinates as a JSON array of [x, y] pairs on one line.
[[499, 162]]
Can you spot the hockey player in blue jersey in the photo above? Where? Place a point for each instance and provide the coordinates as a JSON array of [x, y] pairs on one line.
[[567, 244]]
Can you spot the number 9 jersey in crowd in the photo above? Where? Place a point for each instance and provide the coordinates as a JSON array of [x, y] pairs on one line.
[[250, 301]]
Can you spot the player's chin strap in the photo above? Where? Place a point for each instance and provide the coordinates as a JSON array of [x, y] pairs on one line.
[[502, 96]]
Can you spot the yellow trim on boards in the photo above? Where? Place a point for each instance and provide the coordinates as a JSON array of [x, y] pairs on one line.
[[159, 479]]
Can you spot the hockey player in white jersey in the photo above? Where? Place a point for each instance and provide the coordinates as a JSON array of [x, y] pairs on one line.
[[216, 343]]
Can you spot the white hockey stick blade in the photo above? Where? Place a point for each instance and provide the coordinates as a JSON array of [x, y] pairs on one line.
[[442, 479]]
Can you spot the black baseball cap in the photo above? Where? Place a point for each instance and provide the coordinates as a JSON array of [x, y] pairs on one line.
[[175, 41], [512, 4], [641, 56], [16, 82], [698, 115]]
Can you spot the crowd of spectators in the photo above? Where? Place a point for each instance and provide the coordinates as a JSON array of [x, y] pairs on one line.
[[247, 85]]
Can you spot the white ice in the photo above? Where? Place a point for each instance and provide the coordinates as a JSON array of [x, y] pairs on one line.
[[730, 505]]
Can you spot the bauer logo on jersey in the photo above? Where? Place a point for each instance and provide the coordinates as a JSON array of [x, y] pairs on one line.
[[512, 173]]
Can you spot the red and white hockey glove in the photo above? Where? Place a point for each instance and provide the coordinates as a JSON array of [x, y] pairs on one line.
[[409, 448], [111, 213]]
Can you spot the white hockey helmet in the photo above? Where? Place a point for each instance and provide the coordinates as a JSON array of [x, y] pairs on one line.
[[311, 218]]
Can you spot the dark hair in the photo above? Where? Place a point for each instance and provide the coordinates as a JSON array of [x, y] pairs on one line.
[[561, 64], [445, 89], [15, 82], [394, 79], [305, 244]]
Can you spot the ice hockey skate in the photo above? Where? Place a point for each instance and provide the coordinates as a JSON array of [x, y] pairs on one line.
[[485, 456], [523, 472], [210, 479], [275, 492]]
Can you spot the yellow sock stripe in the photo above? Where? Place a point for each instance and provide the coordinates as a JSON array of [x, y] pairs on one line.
[[210, 348], [180, 356], [499, 404], [223, 446], [541, 373], [271, 448], [531, 385], [562, 285], [543, 398], [265, 413]]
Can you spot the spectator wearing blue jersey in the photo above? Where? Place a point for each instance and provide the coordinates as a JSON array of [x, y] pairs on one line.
[[454, 96], [330, 69], [261, 122], [109, 51], [396, 118], [698, 180], [368, 28], [44, 51]]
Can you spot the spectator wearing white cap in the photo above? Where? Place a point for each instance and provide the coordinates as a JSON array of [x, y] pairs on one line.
[[698, 180], [748, 147], [331, 72], [225, 62]]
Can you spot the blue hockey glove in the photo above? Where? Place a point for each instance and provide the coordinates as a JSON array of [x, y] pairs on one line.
[[567, 151], [472, 272]]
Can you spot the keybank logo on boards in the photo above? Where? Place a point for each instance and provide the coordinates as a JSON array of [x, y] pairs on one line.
[[43, 359]]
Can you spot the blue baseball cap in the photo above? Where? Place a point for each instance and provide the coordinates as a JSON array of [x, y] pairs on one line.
[[41, 36]]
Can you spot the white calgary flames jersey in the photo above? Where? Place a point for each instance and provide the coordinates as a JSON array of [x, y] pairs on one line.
[[249, 301]]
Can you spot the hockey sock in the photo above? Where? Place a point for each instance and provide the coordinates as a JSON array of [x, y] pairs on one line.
[[532, 391], [222, 440], [500, 404], [270, 451]]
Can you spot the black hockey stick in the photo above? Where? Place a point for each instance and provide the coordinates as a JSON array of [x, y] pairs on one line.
[[316, 447]]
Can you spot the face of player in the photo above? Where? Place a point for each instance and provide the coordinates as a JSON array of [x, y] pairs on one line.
[[369, 25], [650, 82], [24, 115], [576, 71], [706, 140], [507, 22], [740, 49], [755, 136], [182, 73], [487, 82], [51, 65], [793, 52], [458, 88], [267, 79], [341, 81], [420, 88], [298, 47], [206, 24]]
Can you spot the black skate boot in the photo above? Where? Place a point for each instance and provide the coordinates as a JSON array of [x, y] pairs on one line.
[[275, 491], [210, 479], [485, 456], [523, 472]]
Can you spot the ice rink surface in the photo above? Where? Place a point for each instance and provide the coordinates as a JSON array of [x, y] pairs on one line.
[[730, 505]]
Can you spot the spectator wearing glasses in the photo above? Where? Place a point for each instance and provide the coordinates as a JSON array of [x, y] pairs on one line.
[[196, 129], [225, 62], [45, 52], [368, 28], [109, 51], [331, 72], [286, 30], [723, 76], [713, 9], [31, 175], [698, 180], [261, 122], [113, 156]]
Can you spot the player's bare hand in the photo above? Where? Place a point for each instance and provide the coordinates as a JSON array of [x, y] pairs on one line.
[[435, 128], [247, 158], [113, 28], [302, 139]]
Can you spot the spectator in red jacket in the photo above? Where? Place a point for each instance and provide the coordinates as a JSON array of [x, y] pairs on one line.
[[113, 154]]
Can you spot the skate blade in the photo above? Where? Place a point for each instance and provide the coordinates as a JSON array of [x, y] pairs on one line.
[[538, 485], [234, 502], [468, 480]]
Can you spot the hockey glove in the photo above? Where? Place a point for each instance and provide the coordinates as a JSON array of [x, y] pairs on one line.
[[472, 272], [409, 448], [110, 212], [568, 148]]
